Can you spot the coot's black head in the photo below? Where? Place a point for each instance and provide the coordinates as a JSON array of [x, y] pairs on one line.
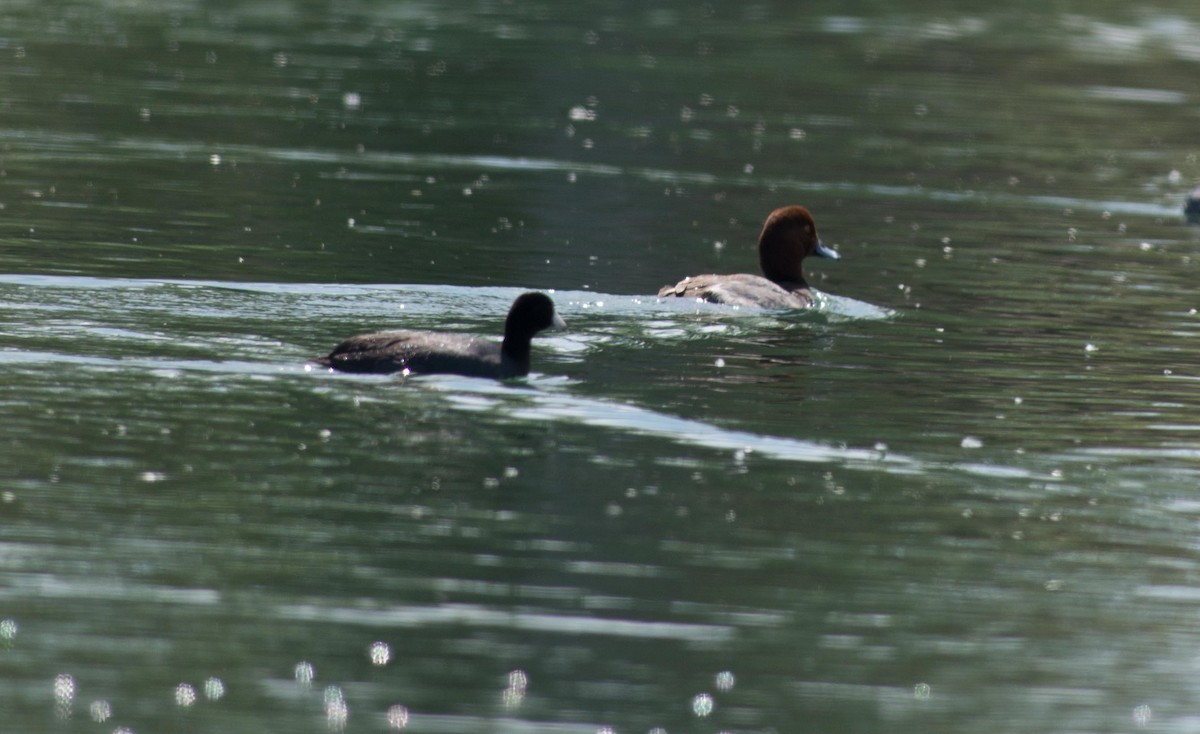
[[531, 313]]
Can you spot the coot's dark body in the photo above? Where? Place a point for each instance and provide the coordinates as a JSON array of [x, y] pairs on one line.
[[431, 352]]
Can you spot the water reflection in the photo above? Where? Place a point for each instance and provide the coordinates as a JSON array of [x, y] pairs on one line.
[[64, 695], [956, 496]]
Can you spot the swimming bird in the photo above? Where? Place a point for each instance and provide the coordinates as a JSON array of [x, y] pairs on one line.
[[788, 236], [429, 352]]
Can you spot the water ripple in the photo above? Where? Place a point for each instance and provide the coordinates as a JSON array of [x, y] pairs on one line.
[[479, 616], [44, 146]]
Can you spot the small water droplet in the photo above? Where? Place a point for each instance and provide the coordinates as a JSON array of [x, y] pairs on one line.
[[214, 689], [580, 113], [702, 705], [185, 695], [304, 674], [64, 695], [397, 717], [379, 653], [100, 711], [514, 692], [1142, 715], [337, 711]]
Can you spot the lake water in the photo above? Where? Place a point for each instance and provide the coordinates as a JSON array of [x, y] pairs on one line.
[[960, 495]]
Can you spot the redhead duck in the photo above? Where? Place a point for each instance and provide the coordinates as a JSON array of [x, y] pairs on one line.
[[788, 236], [427, 352]]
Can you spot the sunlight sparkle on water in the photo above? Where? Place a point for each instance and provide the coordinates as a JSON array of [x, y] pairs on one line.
[[514, 693], [64, 695], [725, 681], [100, 711], [304, 674], [397, 717], [214, 689], [380, 653], [1142, 715], [337, 712], [185, 695]]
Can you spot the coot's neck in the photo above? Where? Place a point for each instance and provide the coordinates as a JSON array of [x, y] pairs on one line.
[[514, 354]]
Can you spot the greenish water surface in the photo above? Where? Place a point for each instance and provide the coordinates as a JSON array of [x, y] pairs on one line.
[[960, 495]]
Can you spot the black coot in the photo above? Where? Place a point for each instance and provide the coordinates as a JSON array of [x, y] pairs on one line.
[[428, 352]]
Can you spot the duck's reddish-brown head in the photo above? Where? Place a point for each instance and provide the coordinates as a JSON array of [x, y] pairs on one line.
[[788, 236]]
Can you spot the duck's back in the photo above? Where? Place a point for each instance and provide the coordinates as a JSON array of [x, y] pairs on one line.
[[740, 289], [419, 352]]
